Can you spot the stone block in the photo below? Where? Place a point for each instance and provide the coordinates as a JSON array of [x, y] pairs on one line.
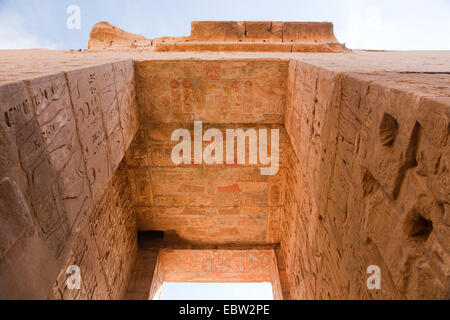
[[217, 31], [85, 90]]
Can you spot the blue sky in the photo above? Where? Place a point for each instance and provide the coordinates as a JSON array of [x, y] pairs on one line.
[[217, 291], [368, 24]]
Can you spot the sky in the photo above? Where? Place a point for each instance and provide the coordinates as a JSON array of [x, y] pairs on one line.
[[360, 24], [216, 291]]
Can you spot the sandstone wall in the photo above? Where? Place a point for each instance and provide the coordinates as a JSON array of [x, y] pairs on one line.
[[106, 248], [216, 265], [220, 266], [270, 31], [142, 275], [363, 174], [223, 36], [206, 203], [213, 91], [62, 137], [366, 184]]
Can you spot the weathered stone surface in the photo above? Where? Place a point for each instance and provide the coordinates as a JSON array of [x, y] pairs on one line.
[[309, 32], [16, 111], [30, 166], [111, 115], [233, 31], [270, 31], [141, 278], [106, 36], [17, 225], [222, 225], [87, 105], [201, 203], [249, 46], [363, 179], [211, 91], [28, 269], [373, 204], [223, 36], [126, 99], [93, 282], [217, 266], [106, 247], [95, 96], [54, 117], [35, 225], [43, 169]]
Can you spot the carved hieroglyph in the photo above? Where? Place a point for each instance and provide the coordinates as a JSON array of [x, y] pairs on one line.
[[220, 266], [363, 179], [206, 204], [370, 186], [211, 91], [62, 138]]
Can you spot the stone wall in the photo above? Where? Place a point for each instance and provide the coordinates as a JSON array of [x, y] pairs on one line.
[[213, 91], [142, 275], [62, 138], [206, 203], [363, 176], [216, 266], [223, 36], [106, 248], [366, 184]]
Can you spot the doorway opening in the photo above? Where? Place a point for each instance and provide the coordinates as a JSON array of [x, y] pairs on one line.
[[216, 291]]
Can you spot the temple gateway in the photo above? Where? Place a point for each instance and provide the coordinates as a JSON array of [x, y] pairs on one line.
[[93, 207]]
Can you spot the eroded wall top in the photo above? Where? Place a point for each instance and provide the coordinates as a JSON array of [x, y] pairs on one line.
[[253, 36]]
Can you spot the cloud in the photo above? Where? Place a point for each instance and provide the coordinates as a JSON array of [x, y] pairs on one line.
[[366, 24], [14, 35]]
